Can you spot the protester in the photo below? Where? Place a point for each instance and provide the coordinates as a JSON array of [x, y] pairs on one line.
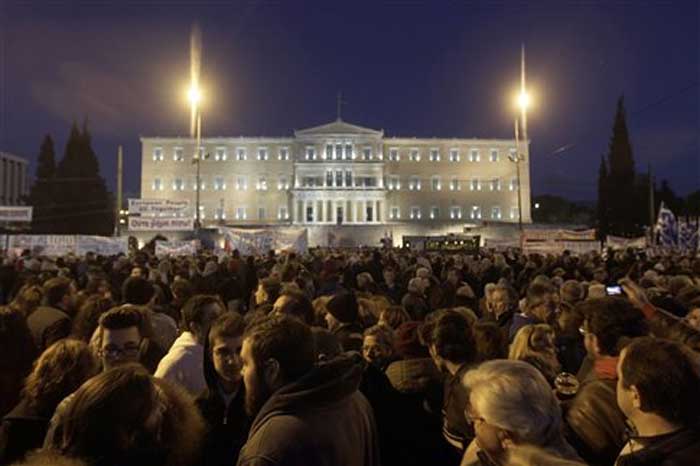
[[60, 370], [292, 400], [15, 339], [222, 404], [52, 321], [183, 364], [657, 388], [342, 320], [140, 292], [378, 346], [534, 344], [511, 404], [540, 307]]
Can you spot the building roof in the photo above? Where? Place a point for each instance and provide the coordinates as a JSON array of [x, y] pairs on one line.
[[338, 127]]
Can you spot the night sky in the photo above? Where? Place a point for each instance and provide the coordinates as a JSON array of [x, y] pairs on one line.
[[424, 69]]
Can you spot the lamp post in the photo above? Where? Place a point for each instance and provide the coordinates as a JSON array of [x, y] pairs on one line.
[[523, 102], [195, 96]]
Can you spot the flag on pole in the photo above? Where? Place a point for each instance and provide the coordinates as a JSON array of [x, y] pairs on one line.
[[667, 227], [688, 236]]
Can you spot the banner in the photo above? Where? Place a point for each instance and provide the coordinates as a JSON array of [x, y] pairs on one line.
[[618, 242], [176, 248], [157, 206], [260, 241], [558, 235], [161, 224], [60, 245], [501, 244], [16, 214], [667, 227], [557, 241]]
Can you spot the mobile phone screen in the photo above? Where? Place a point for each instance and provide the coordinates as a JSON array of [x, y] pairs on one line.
[[613, 290]]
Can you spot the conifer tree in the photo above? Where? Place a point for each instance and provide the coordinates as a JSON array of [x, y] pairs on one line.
[[41, 195]]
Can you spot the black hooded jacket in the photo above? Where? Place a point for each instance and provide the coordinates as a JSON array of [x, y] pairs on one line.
[[319, 420], [227, 425]]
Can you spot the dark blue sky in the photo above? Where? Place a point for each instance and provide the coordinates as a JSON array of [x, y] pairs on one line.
[[433, 68]]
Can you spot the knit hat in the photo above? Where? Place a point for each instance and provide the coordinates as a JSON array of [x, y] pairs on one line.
[[343, 307], [408, 344]]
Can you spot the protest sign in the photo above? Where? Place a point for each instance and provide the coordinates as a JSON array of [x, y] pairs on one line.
[[157, 206], [161, 224], [16, 213]]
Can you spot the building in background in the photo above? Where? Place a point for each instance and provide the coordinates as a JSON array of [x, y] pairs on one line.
[[13, 179], [342, 174]]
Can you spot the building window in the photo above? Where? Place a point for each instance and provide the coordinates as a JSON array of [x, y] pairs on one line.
[[434, 155], [202, 212], [494, 155], [282, 213], [475, 213], [261, 213], [367, 153], [348, 178], [241, 183], [328, 155], [414, 155], [434, 212], [454, 184], [435, 183], [395, 213], [454, 155], [283, 154], [393, 155], [283, 183], [414, 184], [496, 184], [157, 154], [308, 182], [310, 153], [514, 213], [496, 213], [220, 214], [178, 184], [348, 152], [220, 154], [475, 185], [415, 213], [513, 184], [178, 154], [202, 184], [309, 213], [474, 155], [512, 154], [219, 184], [455, 212], [157, 184], [241, 154], [241, 213], [262, 184], [262, 153], [394, 183], [338, 178]]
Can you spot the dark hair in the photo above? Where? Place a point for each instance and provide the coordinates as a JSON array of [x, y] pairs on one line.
[[126, 416], [614, 320], [58, 372], [182, 289], [326, 345], [451, 335], [490, 341], [665, 374], [286, 339], [127, 316], [15, 339], [297, 305], [227, 325], [272, 288], [88, 317], [536, 293], [193, 312], [55, 289], [137, 290]]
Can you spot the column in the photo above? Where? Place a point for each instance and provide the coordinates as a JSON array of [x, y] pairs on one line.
[[377, 209], [321, 212]]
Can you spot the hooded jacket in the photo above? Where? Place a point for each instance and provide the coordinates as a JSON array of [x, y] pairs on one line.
[[227, 422], [320, 419]]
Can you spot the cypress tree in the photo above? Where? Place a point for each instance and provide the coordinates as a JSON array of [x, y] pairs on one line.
[[624, 208], [41, 194]]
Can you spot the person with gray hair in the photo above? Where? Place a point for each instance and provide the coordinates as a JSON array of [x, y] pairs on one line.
[[510, 405]]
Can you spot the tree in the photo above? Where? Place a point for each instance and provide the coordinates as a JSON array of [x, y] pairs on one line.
[[623, 206], [41, 195], [84, 204], [602, 220]]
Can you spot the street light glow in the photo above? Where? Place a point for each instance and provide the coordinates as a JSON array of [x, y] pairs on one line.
[[524, 100], [194, 95]]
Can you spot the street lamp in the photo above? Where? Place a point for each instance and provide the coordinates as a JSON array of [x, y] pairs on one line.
[[523, 101], [194, 94]]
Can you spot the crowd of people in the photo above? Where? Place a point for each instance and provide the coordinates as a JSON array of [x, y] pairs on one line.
[[356, 357]]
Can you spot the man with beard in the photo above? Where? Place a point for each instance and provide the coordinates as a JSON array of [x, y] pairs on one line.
[[304, 414]]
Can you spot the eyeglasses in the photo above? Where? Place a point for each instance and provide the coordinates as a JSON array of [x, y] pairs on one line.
[[114, 352]]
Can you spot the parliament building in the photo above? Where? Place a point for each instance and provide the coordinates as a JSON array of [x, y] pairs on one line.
[[342, 174]]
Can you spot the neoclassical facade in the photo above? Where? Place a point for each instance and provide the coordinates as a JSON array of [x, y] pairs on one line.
[[341, 174]]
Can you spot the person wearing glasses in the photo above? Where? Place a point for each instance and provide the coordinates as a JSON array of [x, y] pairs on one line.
[[511, 405]]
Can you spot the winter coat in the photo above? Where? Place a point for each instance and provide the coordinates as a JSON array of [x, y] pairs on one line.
[[184, 364], [23, 430], [680, 448], [48, 325], [320, 419]]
